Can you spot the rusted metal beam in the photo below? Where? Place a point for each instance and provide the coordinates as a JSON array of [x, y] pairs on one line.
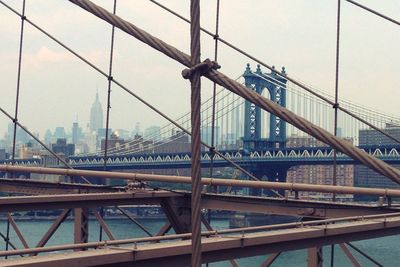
[[164, 229], [81, 225], [17, 230], [132, 219], [104, 225], [178, 213], [32, 187], [315, 257], [208, 181], [270, 259], [292, 207], [44, 202], [53, 228], [222, 247], [364, 254], [349, 255], [171, 202]]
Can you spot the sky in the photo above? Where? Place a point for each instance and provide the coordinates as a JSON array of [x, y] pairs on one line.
[[58, 89]]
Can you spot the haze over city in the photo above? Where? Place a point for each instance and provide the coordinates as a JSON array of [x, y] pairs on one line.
[[58, 89]]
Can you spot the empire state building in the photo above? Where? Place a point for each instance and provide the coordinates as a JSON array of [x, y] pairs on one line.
[[96, 115]]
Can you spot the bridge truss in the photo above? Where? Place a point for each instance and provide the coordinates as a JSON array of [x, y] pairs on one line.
[[189, 245]]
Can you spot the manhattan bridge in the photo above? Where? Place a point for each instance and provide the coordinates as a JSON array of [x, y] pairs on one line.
[[247, 126]]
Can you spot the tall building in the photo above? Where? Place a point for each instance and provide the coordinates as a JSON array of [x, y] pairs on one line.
[[76, 133], [152, 133], [96, 115], [364, 176]]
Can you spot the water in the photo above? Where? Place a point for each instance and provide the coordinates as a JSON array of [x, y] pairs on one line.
[[385, 250]]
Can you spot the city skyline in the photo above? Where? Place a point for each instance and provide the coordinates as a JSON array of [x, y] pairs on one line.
[[157, 79]]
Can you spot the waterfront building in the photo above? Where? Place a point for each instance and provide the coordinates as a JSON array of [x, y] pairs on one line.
[[365, 177], [317, 174]]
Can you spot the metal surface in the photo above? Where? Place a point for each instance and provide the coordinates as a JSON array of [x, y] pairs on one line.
[[349, 255], [223, 247], [104, 225], [208, 181], [53, 228], [270, 259], [81, 225], [33, 187], [315, 257], [17, 230], [299, 208], [45, 202]]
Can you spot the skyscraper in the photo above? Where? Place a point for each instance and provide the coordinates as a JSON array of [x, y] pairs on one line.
[[96, 115]]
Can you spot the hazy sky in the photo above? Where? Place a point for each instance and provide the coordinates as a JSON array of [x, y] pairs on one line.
[[56, 87]]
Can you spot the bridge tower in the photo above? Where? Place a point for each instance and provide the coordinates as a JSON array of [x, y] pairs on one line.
[[276, 86]]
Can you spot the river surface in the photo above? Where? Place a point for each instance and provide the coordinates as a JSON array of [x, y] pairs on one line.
[[385, 250]]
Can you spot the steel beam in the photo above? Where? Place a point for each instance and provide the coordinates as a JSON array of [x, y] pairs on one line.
[[270, 259], [104, 225], [222, 247], [81, 225], [17, 230], [32, 187], [208, 181], [291, 207], [315, 257], [82, 200], [349, 255], [178, 213], [53, 228]]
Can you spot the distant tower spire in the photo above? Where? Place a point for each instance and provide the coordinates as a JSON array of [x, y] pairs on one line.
[[96, 114]]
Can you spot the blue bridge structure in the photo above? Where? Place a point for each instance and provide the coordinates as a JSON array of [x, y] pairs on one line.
[[250, 137]]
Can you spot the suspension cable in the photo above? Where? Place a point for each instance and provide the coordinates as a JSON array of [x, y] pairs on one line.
[[21, 42], [374, 12], [133, 94], [214, 97], [301, 85], [109, 88], [335, 106]]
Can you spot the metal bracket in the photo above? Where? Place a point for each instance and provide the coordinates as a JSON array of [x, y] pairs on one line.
[[202, 67]]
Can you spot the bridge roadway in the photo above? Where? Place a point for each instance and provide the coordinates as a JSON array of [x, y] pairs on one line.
[[286, 158], [175, 250]]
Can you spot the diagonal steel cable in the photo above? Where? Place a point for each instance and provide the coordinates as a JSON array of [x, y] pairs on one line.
[[152, 107], [374, 12], [233, 86], [301, 85]]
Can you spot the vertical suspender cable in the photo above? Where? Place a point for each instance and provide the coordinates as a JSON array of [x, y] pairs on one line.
[[21, 41], [214, 188], [214, 98], [18, 82], [335, 106], [109, 90], [108, 109], [195, 119]]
